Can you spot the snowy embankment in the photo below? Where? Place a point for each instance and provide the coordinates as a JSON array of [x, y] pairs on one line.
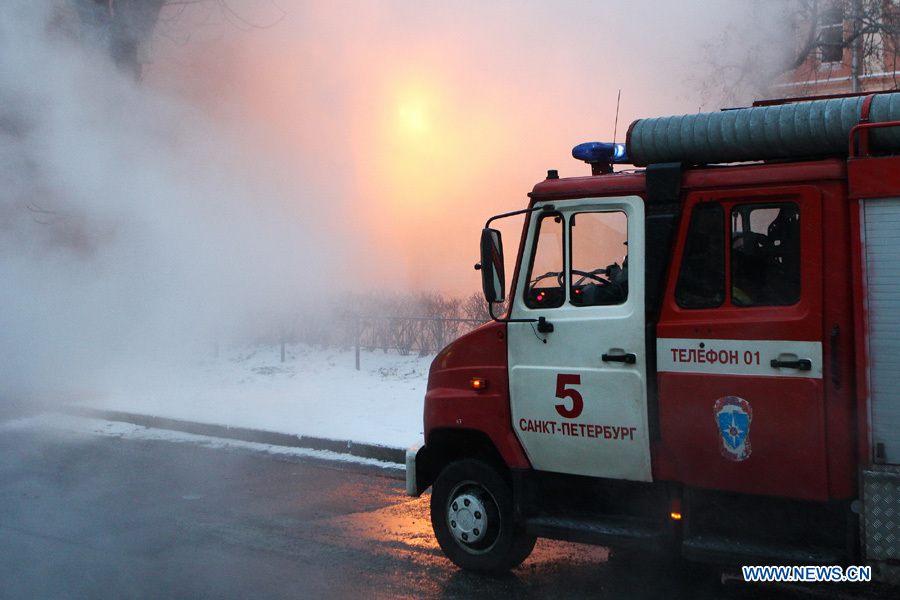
[[314, 392]]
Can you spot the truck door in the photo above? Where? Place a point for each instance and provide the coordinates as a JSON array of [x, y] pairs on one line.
[[739, 348], [579, 391]]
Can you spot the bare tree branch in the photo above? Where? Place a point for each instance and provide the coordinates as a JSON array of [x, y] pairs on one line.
[[824, 31]]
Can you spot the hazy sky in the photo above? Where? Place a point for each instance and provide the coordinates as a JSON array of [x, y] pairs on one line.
[[279, 155], [415, 121]]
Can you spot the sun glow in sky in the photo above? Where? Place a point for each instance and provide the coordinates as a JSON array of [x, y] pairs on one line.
[[405, 126], [417, 141], [427, 142], [426, 156], [414, 115]]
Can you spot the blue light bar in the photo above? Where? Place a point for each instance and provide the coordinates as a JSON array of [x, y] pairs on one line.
[[600, 152]]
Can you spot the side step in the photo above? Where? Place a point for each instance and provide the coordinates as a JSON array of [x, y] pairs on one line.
[[621, 532], [880, 531], [722, 550], [600, 530]]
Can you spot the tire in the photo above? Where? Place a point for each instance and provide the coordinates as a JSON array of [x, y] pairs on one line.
[[474, 520]]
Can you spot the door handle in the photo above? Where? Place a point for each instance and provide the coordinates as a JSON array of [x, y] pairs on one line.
[[802, 364], [627, 358]]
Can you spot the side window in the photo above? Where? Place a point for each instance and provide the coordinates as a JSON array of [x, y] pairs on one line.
[[765, 254], [701, 279], [546, 275], [599, 250]]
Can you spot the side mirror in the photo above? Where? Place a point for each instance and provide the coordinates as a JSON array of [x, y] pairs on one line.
[[493, 277]]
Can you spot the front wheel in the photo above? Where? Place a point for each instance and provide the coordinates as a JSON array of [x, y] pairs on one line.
[[473, 518]]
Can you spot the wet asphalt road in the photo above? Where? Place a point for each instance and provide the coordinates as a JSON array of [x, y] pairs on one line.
[[94, 517]]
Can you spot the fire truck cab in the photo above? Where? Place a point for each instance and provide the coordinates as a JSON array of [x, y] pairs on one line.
[[698, 354]]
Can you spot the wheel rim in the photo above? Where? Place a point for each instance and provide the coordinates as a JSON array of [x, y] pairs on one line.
[[473, 517]]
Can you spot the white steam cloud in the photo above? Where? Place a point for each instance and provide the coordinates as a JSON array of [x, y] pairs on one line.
[[281, 152], [130, 228]]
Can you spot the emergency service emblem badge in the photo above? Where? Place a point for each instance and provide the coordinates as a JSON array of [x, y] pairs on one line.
[[733, 417]]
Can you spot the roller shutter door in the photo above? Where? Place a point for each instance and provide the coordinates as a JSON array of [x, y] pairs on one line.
[[882, 244]]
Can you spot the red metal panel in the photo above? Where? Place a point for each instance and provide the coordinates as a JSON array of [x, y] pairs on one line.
[[838, 311], [876, 177], [450, 402], [787, 434], [788, 428], [717, 177], [860, 314]]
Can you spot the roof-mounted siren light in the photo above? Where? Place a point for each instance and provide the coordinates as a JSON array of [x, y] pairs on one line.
[[600, 155]]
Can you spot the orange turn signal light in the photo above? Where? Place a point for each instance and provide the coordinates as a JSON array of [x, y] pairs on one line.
[[478, 384], [676, 509]]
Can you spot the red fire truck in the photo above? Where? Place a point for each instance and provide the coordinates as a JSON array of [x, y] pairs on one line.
[[700, 353]]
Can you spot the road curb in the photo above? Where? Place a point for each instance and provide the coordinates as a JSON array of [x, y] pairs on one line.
[[244, 434]]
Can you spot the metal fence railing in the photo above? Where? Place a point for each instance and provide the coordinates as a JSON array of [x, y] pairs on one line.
[[422, 335]]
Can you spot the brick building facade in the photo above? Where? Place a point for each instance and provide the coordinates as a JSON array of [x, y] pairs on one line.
[[846, 46]]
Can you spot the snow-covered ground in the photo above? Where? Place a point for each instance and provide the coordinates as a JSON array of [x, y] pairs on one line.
[[314, 392], [75, 427]]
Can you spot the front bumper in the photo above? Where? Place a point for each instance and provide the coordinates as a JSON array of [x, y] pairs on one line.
[[412, 483]]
